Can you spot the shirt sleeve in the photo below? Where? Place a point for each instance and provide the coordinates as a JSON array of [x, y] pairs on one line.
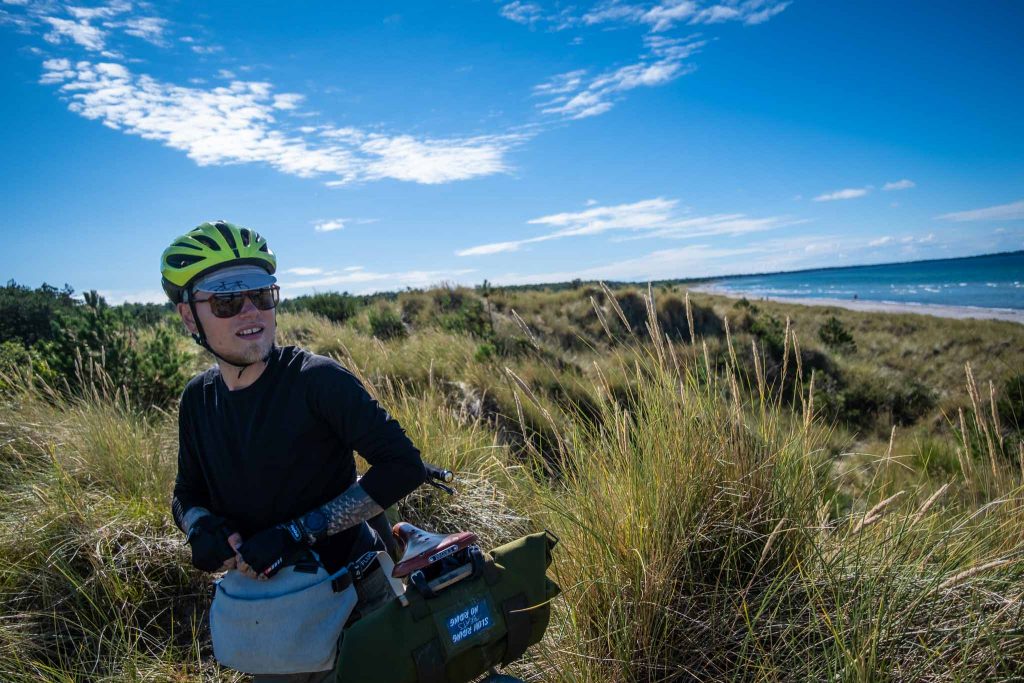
[[396, 468], [190, 488]]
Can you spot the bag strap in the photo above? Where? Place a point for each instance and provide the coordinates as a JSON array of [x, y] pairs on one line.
[[429, 660], [517, 619]]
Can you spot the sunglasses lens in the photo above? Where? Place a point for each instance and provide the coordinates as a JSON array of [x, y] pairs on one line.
[[230, 305], [264, 299], [226, 306]]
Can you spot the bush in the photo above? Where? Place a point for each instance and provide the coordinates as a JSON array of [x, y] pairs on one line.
[[334, 306], [834, 335], [28, 314], [385, 323], [672, 319]]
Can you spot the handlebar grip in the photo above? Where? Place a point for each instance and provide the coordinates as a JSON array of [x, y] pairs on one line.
[[435, 472]]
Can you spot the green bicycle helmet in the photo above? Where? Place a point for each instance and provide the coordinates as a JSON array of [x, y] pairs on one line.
[[206, 248]]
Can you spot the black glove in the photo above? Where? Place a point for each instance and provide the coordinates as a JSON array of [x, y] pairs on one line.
[[208, 538], [267, 551]]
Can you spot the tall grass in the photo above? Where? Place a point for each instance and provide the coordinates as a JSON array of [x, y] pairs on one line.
[[703, 525]]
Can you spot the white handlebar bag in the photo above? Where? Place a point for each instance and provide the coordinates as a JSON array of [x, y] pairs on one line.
[[289, 623]]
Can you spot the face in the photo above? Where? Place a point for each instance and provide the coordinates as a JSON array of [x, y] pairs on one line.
[[241, 339]]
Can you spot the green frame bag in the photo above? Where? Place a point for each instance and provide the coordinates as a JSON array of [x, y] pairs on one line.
[[468, 628]]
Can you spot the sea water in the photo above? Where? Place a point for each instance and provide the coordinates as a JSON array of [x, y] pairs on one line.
[[992, 281]]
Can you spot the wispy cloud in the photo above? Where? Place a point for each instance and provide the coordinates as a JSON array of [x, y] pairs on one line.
[[698, 260], [849, 193], [649, 218], [574, 97], [666, 14], [362, 281], [899, 185], [1002, 212], [329, 226], [237, 124], [522, 12], [880, 241], [79, 32], [302, 271]]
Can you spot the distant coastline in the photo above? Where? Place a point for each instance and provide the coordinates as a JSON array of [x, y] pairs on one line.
[[824, 269], [940, 311]]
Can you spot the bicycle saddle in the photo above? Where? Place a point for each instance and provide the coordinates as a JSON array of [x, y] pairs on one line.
[[421, 548]]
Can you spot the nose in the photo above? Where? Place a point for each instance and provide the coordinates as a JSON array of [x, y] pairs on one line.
[[248, 307]]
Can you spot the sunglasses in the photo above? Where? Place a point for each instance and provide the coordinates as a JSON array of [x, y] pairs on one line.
[[230, 305]]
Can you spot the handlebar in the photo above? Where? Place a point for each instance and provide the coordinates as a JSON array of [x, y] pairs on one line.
[[438, 477]]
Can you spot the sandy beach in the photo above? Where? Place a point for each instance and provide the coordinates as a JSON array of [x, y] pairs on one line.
[[960, 312]]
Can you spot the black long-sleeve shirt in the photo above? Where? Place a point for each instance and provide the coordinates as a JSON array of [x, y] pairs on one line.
[[276, 449]]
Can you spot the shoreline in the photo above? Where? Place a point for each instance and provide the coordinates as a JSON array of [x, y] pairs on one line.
[[937, 310]]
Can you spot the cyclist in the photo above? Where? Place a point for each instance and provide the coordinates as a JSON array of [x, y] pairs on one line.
[[266, 435]]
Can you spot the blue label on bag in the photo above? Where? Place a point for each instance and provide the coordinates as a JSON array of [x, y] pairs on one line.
[[469, 621]]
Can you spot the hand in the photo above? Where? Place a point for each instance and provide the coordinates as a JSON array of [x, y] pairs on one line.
[[236, 562], [208, 538], [266, 552]]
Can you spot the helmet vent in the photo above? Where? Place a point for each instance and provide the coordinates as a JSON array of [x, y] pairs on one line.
[[208, 241], [228, 237], [264, 248], [244, 232], [183, 260], [187, 246]]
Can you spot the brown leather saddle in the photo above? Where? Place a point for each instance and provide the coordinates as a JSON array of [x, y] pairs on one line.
[[420, 549]]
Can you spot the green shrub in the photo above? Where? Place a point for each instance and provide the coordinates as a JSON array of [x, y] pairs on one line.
[[385, 323], [335, 306], [485, 353], [834, 335], [161, 374], [28, 314]]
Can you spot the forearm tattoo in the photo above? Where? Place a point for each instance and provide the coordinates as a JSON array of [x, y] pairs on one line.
[[353, 506]]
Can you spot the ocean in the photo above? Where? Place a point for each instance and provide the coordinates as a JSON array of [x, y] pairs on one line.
[[992, 281]]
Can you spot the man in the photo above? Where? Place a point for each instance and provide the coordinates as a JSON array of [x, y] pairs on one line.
[[265, 465]]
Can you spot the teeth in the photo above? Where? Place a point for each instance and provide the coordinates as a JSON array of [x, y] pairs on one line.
[[251, 330]]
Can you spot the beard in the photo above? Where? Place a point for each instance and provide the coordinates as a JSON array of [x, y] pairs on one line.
[[251, 352]]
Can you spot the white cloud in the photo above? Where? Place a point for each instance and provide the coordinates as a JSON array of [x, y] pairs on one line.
[[849, 193], [403, 157], [665, 61], [302, 271], [1002, 212], [880, 241], [647, 218], [150, 29], [206, 49], [522, 12], [664, 15], [80, 32], [225, 74], [288, 100], [698, 260], [330, 225], [115, 297], [236, 124], [361, 281], [899, 185]]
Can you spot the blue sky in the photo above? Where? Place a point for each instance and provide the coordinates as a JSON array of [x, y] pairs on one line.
[[385, 145]]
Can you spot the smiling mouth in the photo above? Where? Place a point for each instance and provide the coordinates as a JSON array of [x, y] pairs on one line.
[[250, 332]]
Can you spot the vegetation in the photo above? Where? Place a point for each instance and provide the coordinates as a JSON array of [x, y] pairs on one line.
[[733, 502]]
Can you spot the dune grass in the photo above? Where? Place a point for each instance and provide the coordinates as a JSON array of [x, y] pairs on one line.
[[708, 532]]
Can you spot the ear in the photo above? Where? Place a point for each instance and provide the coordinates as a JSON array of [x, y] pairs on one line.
[[186, 317]]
